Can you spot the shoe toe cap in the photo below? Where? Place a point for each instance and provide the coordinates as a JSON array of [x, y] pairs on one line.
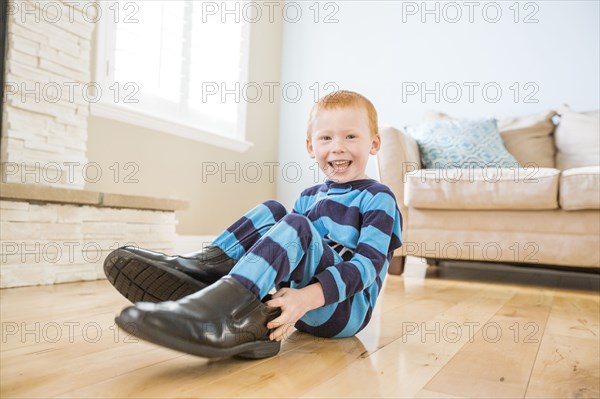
[[145, 315], [129, 315]]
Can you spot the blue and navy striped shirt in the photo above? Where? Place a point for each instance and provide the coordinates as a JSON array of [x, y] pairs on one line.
[[361, 215]]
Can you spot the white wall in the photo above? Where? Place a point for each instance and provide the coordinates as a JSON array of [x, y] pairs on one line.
[[373, 51]]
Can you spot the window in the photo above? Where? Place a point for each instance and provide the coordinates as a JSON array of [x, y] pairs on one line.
[[172, 66]]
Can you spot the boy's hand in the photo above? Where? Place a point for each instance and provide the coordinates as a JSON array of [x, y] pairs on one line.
[[294, 303]]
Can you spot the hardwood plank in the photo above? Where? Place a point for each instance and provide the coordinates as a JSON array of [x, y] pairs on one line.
[[182, 375], [566, 367], [569, 354], [404, 366], [424, 393], [387, 326], [575, 316], [52, 302], [76, 309], [548, 348], [46, 370], [326, 356], [498, 362], [60, 330]]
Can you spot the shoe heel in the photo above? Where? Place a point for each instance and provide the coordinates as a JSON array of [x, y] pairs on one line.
[[261, 349]]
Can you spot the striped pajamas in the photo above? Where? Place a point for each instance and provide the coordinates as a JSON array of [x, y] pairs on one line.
[[342, 235]]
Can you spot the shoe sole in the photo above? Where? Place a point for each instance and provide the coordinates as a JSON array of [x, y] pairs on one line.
[[139, 281], [249, 350]]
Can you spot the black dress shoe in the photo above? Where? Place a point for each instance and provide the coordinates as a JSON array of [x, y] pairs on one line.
[[224, 319], [142, 275]]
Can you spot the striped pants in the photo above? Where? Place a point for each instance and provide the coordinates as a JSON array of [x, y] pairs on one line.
[[275, 249]]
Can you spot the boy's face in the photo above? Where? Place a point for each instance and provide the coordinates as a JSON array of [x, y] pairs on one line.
[[341, 143]]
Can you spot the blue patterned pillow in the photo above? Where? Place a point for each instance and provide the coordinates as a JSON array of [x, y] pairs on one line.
[[461, 143]]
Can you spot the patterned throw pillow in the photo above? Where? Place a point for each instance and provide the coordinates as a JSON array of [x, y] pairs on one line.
[[461, 143]]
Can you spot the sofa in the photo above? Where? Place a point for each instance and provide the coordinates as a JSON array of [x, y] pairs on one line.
[[543, 211]]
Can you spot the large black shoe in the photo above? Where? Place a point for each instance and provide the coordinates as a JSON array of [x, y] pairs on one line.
[[142, 275], [222, 320]]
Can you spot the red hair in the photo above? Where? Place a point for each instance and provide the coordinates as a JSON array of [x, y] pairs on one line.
[[344, 99]]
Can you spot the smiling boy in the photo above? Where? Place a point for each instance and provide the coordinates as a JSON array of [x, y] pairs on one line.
[[342, 133], [327, 259]]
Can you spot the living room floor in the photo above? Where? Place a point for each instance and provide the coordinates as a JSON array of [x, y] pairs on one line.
[[456, 330]]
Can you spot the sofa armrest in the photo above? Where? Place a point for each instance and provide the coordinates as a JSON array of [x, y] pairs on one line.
[[399, 154]]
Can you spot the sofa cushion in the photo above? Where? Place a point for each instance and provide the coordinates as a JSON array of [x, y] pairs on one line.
[[577, 139], [461, 143], [487, 188], [580, 188], [528, 138]]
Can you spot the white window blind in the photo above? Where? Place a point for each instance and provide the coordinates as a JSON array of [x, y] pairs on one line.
[[171, 61]]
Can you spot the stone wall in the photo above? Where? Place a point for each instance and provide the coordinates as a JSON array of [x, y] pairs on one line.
[[47, 76], [56, 243]]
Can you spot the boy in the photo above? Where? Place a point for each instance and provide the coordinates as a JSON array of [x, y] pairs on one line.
[[328, 258]]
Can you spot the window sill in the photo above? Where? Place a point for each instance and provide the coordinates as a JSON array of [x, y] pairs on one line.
[[122, 114]]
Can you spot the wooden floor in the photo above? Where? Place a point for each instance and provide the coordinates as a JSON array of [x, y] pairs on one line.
[[453, 331]]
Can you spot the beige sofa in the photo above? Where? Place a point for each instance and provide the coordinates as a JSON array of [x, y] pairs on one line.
[[545, 213]]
